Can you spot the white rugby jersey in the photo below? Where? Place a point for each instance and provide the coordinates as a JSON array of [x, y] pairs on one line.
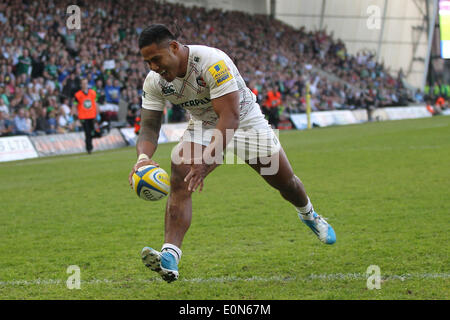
[[210, 74]]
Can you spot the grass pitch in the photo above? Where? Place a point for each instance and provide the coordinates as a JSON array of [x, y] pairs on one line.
[[384, 187]]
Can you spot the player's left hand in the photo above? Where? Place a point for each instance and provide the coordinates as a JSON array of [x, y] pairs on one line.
[[196, 176]]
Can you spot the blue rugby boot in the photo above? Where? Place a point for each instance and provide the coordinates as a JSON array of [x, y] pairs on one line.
[[323, 230], [163, 263]]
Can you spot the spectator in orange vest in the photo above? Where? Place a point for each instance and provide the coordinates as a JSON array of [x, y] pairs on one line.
[[137, 122], [254, 90], [440, 101], [137, 125], [439, 105], [272, 103], [87, 112]]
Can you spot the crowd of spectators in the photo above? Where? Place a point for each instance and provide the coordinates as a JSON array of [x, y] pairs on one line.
[[42, 61]]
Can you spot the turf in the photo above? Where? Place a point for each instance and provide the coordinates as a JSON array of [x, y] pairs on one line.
[[383, 186]]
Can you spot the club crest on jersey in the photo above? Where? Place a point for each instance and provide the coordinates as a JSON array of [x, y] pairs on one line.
[[200, 81], [167, 90], [220, 72]]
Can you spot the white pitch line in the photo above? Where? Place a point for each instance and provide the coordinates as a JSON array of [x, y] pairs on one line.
[[312, 277]]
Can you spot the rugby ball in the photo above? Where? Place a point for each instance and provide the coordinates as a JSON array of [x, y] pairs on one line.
[[151, 183]]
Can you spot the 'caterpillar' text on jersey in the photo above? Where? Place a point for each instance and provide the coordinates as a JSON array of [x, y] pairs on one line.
[[210, 74]]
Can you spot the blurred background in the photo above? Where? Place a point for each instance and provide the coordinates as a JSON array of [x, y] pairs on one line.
[[354, 54]]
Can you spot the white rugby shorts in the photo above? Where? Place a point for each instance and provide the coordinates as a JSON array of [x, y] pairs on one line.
[[254, 138]]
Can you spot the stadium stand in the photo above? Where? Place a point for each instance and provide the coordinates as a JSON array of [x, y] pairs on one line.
[[42, 62]]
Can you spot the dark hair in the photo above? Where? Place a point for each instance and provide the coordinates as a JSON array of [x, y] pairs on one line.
[[156, 33]]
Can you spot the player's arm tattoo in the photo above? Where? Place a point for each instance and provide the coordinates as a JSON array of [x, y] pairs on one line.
[[150, 126]]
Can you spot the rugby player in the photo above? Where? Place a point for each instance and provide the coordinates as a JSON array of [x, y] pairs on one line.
[[223, 112]]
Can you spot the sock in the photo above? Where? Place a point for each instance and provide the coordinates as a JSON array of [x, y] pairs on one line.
[[306, 211], [172, 249]]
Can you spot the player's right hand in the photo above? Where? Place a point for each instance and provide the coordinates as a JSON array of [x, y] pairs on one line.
[[137, 166]]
